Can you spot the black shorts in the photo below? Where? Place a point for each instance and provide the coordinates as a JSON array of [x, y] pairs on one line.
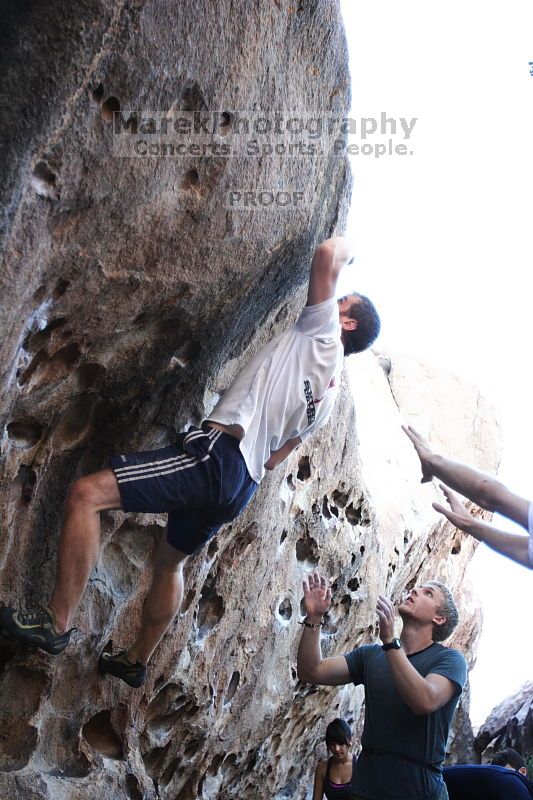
[[201, 481]]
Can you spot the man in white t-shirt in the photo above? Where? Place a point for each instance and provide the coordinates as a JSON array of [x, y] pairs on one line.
[[284, 393], [488, 492]]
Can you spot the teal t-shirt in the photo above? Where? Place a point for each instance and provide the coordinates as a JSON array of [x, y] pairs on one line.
[[402, 752]]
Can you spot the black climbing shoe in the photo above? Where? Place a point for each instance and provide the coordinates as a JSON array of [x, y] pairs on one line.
[[121, 667], [35, 626]]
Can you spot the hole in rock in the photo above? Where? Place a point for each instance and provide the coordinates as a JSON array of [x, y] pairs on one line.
[[353, 584], [353, 515], [39, 358], [325, 508], [109, 108], [353, 559], [153, 759], [188, 352], [25, 483], [161, 726], [215, 765], [285, 609], [169, 698], [39, 294], [168, 774], [191, 180], [89, 375], [100, 734], [189, 790], [290, 482], [307, 550], [60, 289], [294, 674], [133, 788], [283, 536], [76, 423], [224, 123], [34, 341], [192, 748], [232, 687], [228, 763], [43, 180], [212, 550], [456, 549], [24, 432], [346, 601], [192, 98], [362, 549], [49, 370], [97, 93], [340, 498], [210, 610], [304, 469]]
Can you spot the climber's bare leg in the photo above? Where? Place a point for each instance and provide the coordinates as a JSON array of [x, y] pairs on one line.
[[79, 543], [162, 602]]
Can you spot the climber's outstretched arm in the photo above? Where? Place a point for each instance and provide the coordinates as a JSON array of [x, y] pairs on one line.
[[329, 259]]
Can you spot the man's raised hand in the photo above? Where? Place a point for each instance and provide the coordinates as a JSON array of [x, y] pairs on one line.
[[317, 596], [386, 614], [457, 513], [423, 449]]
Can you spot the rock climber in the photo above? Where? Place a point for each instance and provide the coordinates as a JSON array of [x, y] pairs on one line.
[[284, 394]]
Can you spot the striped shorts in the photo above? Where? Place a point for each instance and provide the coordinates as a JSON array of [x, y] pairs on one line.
[[201, 482]]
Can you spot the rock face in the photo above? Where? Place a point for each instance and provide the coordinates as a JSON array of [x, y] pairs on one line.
[[510, 724], [132, 292]]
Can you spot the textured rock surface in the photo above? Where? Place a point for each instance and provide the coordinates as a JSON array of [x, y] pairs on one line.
[[131, 295], [222, 714], [509, 724]]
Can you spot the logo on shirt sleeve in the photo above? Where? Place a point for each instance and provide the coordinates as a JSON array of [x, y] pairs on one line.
[[311, 402], [311, 413]]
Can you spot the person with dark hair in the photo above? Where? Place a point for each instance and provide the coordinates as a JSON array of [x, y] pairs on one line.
[[334, 777], [360, 308], [283, 395], [484, 490], [412, 687], [510, 759], [486, 782]]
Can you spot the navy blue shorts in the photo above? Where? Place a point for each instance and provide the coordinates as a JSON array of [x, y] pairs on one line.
[[201, 481]]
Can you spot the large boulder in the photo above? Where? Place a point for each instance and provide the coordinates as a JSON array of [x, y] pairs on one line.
[[132, 292], [509, 724]]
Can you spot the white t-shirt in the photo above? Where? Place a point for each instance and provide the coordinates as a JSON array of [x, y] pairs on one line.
[[288, 389], [530, 526]]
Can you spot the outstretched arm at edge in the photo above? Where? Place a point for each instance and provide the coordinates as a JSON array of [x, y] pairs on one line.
[[512, 545], [486, 491], [328, 260]]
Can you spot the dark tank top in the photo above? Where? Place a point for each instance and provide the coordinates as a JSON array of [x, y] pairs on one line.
[[339, 791]]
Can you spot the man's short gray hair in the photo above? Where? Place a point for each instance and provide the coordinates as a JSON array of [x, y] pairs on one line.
[[447, 609]]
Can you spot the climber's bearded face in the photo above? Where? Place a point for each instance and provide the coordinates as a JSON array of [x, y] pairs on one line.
[[422, 604], [347, 310]]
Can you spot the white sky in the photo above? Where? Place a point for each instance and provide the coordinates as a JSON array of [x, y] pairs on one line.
[[443, 240]]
